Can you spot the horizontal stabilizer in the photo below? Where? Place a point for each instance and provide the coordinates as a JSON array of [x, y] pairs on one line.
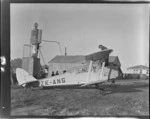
[[24, 77]]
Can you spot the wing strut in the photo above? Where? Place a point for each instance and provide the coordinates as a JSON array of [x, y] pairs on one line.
[[89, 71], [102, 70]]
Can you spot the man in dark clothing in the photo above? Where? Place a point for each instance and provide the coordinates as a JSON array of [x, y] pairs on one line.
[[64, 71], [57, 73], [53, 74], [14, 78]]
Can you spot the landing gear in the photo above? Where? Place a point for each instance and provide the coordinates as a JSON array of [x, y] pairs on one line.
[[31, 88], [97, 86], [112, 85], [102, 91]]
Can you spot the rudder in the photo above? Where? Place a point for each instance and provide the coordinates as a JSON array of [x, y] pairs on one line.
[[23, 76]]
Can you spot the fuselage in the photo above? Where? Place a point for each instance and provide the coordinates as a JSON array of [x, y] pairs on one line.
[[69, 79], [66, 79]]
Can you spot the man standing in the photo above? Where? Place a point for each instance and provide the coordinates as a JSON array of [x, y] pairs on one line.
[[35, 40], [101, 47]]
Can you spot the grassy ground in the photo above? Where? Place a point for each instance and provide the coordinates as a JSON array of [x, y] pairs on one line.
[[129, 98]]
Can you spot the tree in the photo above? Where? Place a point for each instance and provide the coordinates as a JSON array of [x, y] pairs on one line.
[[16, 63]]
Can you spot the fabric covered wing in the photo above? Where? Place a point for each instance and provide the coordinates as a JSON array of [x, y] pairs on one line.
[[101, 55], [93, 82]]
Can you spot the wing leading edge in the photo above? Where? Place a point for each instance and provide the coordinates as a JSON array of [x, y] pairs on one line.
[[101, 55]]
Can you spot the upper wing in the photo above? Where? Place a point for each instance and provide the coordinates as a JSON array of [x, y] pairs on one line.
[[101, 55]]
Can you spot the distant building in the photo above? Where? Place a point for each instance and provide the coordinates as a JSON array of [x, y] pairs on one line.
[[62, 63], [139, 69], [114, 63], [78, 63]]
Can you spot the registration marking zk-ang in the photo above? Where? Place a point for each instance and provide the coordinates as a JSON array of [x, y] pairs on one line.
[[54, 81]]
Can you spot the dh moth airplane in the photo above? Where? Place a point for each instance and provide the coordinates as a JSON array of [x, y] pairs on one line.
[[93, 76]]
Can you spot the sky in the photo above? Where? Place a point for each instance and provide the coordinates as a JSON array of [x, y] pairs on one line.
[[81, 28]]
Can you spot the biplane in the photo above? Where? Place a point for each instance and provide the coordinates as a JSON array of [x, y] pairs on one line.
[[93, 76]]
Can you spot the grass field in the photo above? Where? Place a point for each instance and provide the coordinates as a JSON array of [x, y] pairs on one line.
[[129, 98]]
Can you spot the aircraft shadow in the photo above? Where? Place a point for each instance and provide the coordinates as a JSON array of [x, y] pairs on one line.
[[137, 87], [115, 88]]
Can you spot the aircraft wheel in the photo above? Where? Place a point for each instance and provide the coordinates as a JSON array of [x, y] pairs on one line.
[[31, 88], [97, 86], [102, 91]]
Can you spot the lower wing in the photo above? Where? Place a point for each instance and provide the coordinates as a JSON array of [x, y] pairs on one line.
[[93, 82]]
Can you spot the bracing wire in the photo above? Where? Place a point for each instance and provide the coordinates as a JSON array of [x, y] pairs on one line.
[[54, 42], [42, 57]]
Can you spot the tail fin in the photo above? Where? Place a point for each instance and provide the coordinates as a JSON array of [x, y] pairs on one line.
[[23, 76]]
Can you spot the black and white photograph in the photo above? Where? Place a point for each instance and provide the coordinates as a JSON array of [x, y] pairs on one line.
[[69, 59]]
